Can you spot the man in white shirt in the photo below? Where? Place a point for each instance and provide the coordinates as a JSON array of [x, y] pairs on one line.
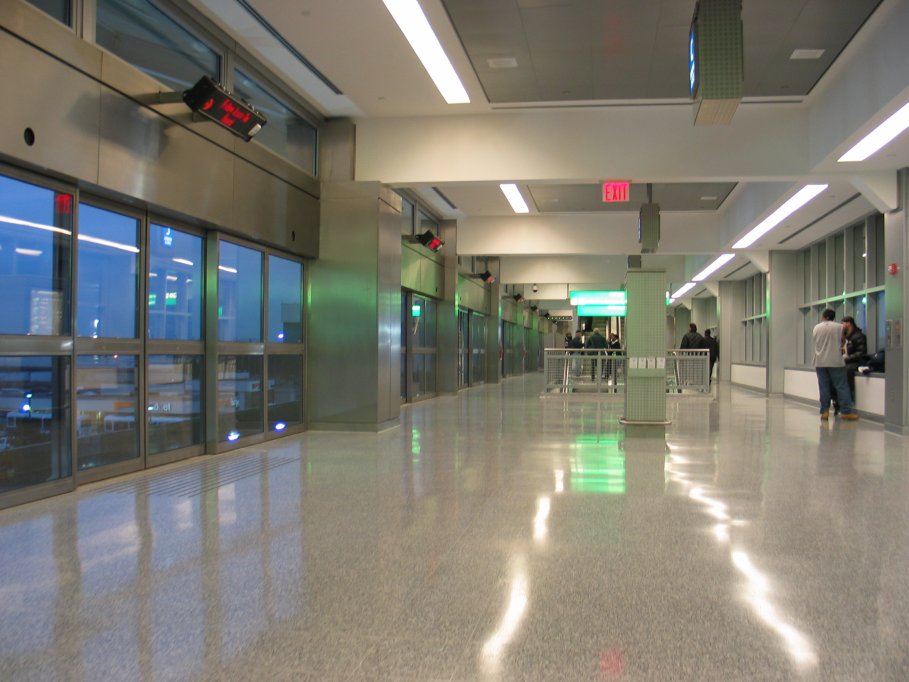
[[830, 366]]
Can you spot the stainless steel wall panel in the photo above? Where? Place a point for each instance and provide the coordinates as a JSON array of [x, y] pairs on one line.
[[263, 157], [37, 28], [146, 156], [431, 277], [410, 268], [268, 209], [388, 347], [59, 104]]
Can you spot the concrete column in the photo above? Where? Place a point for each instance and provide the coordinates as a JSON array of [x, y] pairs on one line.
[[354, 299], [896, 296], [731, 303], [784, 318], [494, 323], [447, 318]]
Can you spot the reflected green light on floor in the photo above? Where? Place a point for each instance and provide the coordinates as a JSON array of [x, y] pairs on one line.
[[415, 444], [597, 465]]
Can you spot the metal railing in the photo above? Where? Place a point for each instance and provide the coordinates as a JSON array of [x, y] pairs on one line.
[[604, 371]]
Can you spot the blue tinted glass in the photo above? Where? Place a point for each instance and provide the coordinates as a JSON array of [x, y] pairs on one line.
[[239, 293], [34, 409], [175, 275], [241, 410], [35, 248], [59, 9], [107, 282], [106, 408], [141, 34], [286, 132], [174, 402], [285, 300]]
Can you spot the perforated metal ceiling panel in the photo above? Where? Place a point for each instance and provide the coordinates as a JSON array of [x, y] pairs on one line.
[[583, 50]]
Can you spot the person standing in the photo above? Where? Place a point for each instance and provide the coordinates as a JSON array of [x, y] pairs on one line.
[[855, 352], [692, 339], [576, 343], [614, 349], [714, 347], [689, 376], [830, 366], [597, 342]]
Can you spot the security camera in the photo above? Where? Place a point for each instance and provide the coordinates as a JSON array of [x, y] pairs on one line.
[[535, 288]]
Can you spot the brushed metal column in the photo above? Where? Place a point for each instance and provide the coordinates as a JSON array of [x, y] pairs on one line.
[[896, 250], [447, 317], [493, 325], [354, 310], [784, 318]]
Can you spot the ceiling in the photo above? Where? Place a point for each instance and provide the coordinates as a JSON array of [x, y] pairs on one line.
[[539, 71]]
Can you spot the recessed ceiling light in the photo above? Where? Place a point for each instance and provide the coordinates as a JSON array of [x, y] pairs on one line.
[[413, 24], [879, 137], [804, 53], [708, 198], [502, 63], [802, 197], [513, 194]]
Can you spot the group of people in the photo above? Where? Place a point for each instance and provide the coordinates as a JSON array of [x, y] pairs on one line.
[[839, 349], [694, 340], [597, 341]]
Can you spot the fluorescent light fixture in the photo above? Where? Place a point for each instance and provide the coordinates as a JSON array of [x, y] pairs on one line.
[[513, 194], [183, 261], [108, 243], [878, 137], [413, 24], [682, 290], [37, 226], [713, 267], [28, 252], [802, 197], [224, 268], [171, 278]]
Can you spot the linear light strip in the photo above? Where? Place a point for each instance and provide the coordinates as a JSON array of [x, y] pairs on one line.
[[682, 290], [413, 23], [107, 242], [878, 137], [37, 226], [802, 197], [713, 267], [513, 194]]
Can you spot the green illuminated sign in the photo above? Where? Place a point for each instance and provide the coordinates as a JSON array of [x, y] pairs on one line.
[[416, 310], [602, 310], [152, 299], [598, 298], [170, 298]]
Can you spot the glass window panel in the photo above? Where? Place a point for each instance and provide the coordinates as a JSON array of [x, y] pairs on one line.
[[175, 274], [416, 375], [240, 408], [839, 264], [35, 259], [106, 408], [429, 326], [407, 217], [34, 421], [859, 257], [239, 293], [427, 223], [108, 254], [174, 412], [881, 264], [143, 35], [417, 315], [285, 391], [806, 275], [61, 10], [285, 300], [286, 132], [429, 368], [822, 271]]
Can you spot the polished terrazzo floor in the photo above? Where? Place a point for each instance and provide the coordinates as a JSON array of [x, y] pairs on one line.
[[493, 536]]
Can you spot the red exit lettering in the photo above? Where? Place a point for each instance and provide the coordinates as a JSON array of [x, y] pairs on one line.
[[615, 191]]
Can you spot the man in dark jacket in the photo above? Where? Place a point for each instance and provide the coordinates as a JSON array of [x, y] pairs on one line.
[[596, 342], [714, 347], [855, 351], [575, 343], [692, 339]]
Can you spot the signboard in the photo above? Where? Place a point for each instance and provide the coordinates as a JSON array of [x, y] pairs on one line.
[[598, 297], [615, 191]]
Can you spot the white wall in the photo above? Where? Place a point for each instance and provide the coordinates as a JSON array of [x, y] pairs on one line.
[[870, 391], [753, 376]]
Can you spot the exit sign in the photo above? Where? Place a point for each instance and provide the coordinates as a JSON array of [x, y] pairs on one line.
[[615, 190]]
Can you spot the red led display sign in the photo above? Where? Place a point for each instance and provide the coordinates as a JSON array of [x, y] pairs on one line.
[[615, 191], [211, 100]]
